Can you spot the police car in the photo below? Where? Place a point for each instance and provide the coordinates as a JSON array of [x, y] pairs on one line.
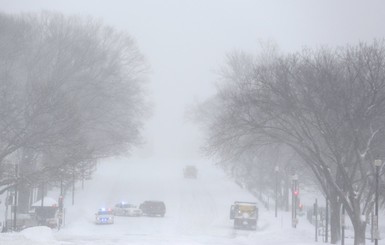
[[104, 216]]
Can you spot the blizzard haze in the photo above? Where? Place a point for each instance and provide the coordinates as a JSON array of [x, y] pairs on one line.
[[197, 210], [186, 41]]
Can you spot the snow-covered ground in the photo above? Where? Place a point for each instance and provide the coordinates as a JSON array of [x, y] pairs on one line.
[[197, 210]]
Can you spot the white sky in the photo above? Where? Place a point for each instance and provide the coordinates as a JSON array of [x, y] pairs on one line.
[[185, 41]]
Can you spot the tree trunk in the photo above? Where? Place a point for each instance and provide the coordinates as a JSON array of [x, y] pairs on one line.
[[24, 192], [359, 225], [26, 166], [286, 193], [359, 231], [335, 226]]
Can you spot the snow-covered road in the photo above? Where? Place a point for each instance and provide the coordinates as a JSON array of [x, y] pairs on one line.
[[197, 209]]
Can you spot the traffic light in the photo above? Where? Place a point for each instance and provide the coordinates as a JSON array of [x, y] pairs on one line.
[[296, 192], [300, 206]]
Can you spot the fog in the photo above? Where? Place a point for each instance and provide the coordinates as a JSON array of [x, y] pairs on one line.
[[185, 42]]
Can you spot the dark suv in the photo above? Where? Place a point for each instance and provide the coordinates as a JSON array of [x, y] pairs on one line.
[[153, 208]]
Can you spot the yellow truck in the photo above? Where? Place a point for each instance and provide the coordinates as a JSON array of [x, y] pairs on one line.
[[245, 215]]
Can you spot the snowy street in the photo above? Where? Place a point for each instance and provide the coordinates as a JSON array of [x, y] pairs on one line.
[[197, 210], [185, 122]]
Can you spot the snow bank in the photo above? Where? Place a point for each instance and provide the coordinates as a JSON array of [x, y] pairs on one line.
[[38, 234]]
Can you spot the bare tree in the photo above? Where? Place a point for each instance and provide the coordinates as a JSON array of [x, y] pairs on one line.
[[71, 88], [326, 105]]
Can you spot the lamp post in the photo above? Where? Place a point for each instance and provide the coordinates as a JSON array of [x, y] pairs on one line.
[[342, 225], [294, 200], [73, 185], [276, 169], [15, 198], [377, 164], [316, 219], [61, 199], [327, 219]]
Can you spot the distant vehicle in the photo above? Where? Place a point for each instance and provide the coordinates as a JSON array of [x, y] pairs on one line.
[[153, 208], [126, 209], [104, 216], [245, 215], [190, 172]]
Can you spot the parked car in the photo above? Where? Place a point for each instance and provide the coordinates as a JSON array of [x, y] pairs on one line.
[[104, 216], [153, 208], [127, 209]]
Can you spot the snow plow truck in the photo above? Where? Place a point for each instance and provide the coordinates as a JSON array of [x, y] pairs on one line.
[[245, 215]]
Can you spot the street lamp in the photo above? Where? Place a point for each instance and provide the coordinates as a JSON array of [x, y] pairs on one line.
[[15, 197], [294, 200], [377, 164], [276, 169], [61, 170], [61, 199]]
